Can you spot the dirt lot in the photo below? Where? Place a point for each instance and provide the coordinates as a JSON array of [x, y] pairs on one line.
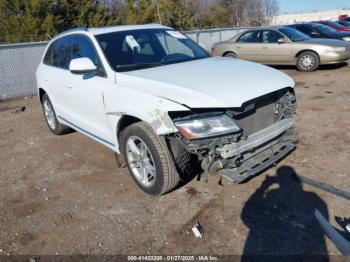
[[65, 195]]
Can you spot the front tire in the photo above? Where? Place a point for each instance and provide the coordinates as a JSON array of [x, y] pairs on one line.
[[148, 159], [51, 119], [308, 61]]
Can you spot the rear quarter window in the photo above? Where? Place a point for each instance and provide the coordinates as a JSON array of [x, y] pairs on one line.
[[48, 55]]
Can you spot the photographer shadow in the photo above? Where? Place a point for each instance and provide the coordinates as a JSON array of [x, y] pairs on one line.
[[281, 220]]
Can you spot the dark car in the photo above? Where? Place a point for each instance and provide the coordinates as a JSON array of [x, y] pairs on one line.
[[315, 30], [334, 25], [344, 18], [344, 23]]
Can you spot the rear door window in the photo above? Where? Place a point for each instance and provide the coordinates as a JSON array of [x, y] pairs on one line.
[[61, 52], [250, 37]]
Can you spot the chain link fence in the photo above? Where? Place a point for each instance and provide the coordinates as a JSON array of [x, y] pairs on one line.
[[207, 38], [18, 62]]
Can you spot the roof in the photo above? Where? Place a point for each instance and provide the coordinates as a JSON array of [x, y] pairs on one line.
[[110, 29], [305, 23], [272, 27]]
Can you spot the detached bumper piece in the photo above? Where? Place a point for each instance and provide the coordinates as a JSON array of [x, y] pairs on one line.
[[257, 164], [339, 241]]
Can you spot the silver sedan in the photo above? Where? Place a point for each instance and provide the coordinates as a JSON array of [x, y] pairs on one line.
[[284, 46]]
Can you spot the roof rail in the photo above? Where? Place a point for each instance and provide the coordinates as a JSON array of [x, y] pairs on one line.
[[72, 30]]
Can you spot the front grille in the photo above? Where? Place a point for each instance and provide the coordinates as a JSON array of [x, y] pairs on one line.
[[263, 117], [260, 113]]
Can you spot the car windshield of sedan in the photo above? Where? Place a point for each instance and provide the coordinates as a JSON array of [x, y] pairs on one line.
[[323, 28], [346, 23], [334, 24], [294, 35], [145, 48]]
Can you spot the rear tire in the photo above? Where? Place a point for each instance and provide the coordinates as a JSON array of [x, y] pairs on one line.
[[51, 118], [148, 159], [308, 61], [230, 55]]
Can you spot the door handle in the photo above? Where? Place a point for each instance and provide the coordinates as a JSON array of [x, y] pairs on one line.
[[238, 47], [264, 47], [69, 86]]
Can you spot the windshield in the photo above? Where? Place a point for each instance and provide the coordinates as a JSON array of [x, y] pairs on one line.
[[334, 24], [346, 23], [294, 35], [144, 48], [324, 28]]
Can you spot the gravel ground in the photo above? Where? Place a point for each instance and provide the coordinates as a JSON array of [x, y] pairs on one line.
[[65, 195]]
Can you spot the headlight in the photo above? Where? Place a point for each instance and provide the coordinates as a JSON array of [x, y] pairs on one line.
[[338, 49], [346, 38], [207, 127]]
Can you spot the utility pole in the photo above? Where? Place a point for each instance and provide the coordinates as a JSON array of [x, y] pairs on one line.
[[160, 18]]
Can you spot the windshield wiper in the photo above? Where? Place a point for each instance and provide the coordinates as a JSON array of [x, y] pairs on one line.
[[139, 65]]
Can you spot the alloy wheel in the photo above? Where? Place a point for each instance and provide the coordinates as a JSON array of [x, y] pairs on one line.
[[140, 161], [49, 115]]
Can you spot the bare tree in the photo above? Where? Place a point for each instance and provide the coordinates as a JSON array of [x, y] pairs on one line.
[[252, 12], [201, 8], [272, 8]]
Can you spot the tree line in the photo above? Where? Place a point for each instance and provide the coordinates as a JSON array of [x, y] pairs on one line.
[[38, 20]]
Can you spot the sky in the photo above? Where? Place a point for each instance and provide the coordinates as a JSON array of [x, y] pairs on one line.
[[292, 6]]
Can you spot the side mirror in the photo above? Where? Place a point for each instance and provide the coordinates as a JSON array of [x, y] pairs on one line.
[[82, 65], [283, 41], [314, 34]]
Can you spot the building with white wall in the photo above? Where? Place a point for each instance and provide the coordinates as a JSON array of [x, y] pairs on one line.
[[309, 17]]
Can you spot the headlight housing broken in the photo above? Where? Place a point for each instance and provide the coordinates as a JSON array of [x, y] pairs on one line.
[[205, 127]]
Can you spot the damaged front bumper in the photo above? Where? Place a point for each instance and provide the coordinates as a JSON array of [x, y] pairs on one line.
[[257, 164], [237, 159], [258, 152], [266, 136]]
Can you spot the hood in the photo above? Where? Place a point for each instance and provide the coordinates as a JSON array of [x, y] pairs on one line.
[[207, 83], [326, 41]]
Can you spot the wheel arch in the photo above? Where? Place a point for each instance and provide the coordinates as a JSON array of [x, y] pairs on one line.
[[124, 122], [228, 52], [159, 121], [41, 93]]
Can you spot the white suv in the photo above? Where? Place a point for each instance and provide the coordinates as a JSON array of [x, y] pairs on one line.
[[163, 103]]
